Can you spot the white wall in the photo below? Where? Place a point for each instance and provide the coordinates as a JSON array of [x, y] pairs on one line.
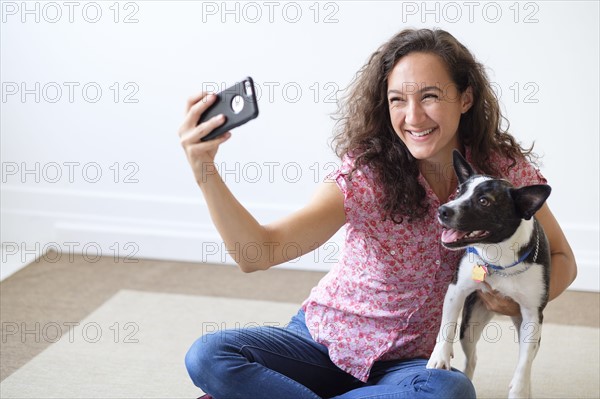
[[59, 132]]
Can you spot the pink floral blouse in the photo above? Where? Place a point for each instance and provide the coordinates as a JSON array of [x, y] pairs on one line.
[[383, 299]]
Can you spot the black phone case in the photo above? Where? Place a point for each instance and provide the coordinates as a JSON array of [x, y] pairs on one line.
[[224, 105]]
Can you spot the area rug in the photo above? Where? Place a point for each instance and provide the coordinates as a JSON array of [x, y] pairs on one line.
[[133, 346]]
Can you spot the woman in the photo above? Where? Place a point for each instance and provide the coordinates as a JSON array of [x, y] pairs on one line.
[[369, 326]]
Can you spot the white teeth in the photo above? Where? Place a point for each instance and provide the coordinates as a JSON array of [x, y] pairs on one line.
[[474, 233], [421, 134]]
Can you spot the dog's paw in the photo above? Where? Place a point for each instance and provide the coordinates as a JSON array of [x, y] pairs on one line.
[[440, 358], [519, 390], [512, 394]]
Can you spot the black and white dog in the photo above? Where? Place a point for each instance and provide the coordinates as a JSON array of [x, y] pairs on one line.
[[506, 247]]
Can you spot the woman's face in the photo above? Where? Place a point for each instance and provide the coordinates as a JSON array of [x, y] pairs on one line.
[[425, 106]]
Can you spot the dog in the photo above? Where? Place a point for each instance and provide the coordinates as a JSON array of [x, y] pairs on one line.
[[508, 249]]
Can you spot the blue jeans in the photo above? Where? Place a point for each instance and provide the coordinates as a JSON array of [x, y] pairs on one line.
[[280, 363]]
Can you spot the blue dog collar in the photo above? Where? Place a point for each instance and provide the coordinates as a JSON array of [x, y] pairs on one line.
[[472, 250]]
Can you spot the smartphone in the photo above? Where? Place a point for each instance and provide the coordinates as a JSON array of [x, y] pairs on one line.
[[237, 103]]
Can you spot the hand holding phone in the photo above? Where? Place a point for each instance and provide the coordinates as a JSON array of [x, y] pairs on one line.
[[237, 103]]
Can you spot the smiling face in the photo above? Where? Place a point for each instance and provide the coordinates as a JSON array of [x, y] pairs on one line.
[[425, 106]]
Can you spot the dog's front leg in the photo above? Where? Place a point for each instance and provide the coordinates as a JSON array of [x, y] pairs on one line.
[[530, 333], [443, 350]]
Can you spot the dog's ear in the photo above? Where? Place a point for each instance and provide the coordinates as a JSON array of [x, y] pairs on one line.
[[461, 167], [529, 199]]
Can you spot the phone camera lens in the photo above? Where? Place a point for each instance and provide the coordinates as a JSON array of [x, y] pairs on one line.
[[237, 104]]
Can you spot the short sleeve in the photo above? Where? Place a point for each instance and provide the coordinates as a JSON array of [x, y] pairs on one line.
[[524, 173], [340, 176], [362, 197]]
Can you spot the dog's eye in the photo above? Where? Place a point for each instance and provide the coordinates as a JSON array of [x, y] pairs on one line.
[[484, 201]]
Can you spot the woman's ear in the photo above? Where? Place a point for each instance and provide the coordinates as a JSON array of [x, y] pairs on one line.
[[466, 99]]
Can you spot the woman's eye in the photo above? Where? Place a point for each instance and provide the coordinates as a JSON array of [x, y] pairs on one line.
[[430, 96], [484, 201], [395, 100]]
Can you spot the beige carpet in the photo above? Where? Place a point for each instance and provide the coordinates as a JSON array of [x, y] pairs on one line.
[[134, 344], [146, 358]]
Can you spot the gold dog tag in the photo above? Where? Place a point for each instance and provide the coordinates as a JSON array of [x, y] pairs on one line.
[[479, 272]]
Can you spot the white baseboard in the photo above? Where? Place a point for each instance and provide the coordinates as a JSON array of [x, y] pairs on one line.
[[15, 257], [127, 228], [588, 278], [189, 242]]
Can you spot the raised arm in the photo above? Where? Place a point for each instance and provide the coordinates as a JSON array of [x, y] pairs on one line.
[[306, 229]]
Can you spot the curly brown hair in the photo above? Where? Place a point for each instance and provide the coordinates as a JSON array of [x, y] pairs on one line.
[[364, 129]]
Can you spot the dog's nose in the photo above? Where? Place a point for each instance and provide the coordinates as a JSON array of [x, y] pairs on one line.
[[445, 212]]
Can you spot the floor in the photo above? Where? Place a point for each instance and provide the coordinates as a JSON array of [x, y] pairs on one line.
[[50, 293]]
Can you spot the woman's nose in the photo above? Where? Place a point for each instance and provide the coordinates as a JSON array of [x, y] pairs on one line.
[[415, 114]]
